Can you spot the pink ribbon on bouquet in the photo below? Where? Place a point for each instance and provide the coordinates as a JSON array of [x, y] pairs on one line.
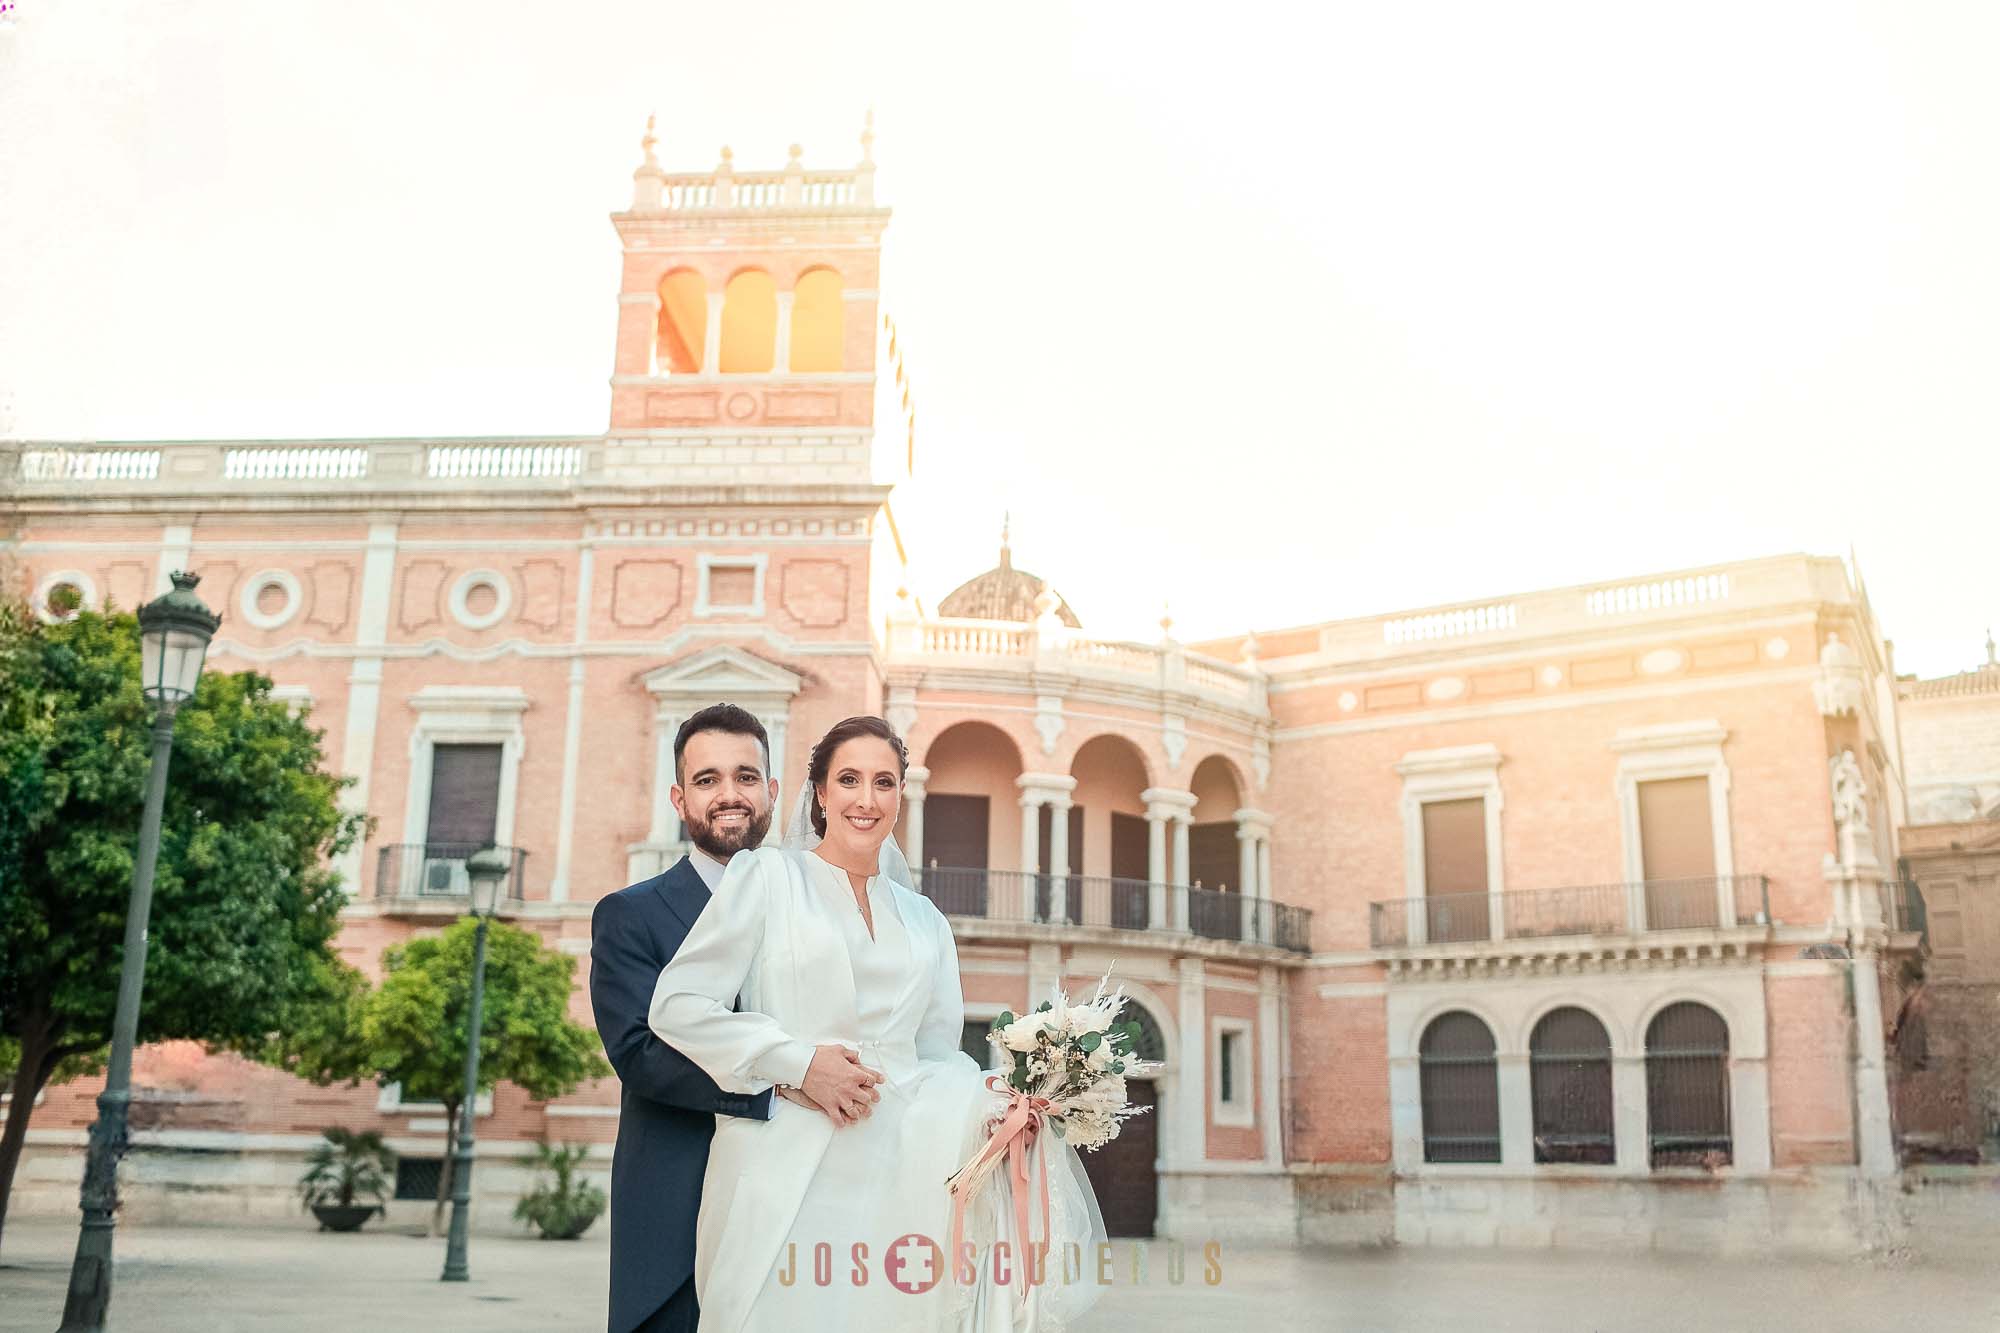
[[1014, 1136]]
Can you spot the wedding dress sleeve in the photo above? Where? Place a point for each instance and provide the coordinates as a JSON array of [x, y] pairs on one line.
[[691, 1009]]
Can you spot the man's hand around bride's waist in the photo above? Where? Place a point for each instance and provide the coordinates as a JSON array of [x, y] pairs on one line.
[[838, 1085]]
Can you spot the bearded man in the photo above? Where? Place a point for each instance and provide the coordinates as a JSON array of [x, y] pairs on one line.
[[724, 793]]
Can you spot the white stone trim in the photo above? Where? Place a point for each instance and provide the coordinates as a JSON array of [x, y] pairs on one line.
[[50, 582], [465, 715], [176, 551], [720, 673], [503, 598], [1462, 772], [391, 1103], [295, 697], [988, 1010], [1624, 1003], [246, 604], [1240, 1111], [582, 1112], [573, 732], [1660, 753], [706, 563]]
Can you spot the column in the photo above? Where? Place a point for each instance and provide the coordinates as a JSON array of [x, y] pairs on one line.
[[1871, 1083], [1406, 1112], [781, 354], [711, 338], [1156, 867], [1251, 828], [1517, 1110], [1059, 858], [1628, 1115], [573, 732], [914, 791], [364, 684], [1246, 878], [1183, 819], [1192, 1058], [1270, 908], [1750, 1115], [1031, 849], [1270, 1084]]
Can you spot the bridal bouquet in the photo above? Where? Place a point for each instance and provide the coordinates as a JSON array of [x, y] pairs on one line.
[[1066, 1070]]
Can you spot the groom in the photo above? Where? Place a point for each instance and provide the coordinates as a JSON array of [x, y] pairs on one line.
[[723, 791]]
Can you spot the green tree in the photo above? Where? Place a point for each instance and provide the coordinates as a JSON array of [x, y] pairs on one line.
[[413, 1026], [245, 905]]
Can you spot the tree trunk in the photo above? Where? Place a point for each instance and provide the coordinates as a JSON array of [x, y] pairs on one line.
[[450, 1167], [38, 1059]]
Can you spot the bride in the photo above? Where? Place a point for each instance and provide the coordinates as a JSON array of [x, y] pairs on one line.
[[850, 1006]]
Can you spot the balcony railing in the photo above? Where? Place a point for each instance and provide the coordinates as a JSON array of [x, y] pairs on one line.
[[1119, 904], [1708, 902], [420, 872], [1905, 905]]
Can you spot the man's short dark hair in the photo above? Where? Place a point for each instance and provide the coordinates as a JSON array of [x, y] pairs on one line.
[[720, 717]]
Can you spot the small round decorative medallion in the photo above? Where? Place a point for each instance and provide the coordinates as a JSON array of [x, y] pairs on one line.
[[740, 407], [270, 598], [1660, 661], [1778, 649], [1348, 701], [1552, 675], [480, 599], [1444, 689], [59, 596]]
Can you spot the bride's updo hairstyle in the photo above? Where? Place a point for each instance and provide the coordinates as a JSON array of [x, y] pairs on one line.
[[840, 734]]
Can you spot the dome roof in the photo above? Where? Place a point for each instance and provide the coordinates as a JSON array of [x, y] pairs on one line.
[[1002, 593]]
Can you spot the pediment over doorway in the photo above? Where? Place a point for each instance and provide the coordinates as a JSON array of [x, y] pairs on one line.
[[722, 673]]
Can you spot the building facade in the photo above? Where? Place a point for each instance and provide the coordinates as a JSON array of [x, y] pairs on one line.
[[1560, 917]]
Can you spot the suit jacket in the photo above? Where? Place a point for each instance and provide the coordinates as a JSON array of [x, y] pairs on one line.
[[668, 1105]]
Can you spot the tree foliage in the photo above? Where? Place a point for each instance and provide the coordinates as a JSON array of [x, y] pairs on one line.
[[245, 903], [412, 1029]]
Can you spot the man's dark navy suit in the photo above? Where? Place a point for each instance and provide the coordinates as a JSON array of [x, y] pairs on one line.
[[668, 1108]]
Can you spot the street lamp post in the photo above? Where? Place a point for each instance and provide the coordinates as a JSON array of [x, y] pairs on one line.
[[487, 869], [174, 631]]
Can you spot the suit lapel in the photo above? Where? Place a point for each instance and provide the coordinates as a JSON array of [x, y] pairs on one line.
[[683, 891]]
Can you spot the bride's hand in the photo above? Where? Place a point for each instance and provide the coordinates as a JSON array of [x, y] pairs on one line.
[[839, 1084]]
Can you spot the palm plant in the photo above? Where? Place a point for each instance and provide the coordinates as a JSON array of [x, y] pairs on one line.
[[348, 1166], [565, 1209]]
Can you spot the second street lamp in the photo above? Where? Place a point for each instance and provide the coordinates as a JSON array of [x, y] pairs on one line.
[[487, 869], [174, 631]]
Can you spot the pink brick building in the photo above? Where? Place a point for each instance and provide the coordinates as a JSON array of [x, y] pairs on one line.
[[1559, 917]]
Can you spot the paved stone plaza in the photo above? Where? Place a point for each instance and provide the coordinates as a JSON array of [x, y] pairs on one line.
[[217, 1280]]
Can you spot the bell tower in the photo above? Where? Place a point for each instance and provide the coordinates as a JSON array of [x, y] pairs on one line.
[[746, 324]]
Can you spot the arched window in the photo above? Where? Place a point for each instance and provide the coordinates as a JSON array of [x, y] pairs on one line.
[[749, 323], [1687, 1086], [1461, 1090], [817, 316], [1569, 1070], [683, 328]]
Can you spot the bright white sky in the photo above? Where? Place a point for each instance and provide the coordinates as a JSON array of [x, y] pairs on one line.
[[1285, 312]]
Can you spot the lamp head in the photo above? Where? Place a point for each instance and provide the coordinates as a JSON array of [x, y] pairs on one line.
[[487, 869], [174, 632]]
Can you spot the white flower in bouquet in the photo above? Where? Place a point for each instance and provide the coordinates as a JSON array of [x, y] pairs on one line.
[[1024, 1033]]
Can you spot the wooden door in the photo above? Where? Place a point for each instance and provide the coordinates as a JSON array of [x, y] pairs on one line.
[[1123, 1172]]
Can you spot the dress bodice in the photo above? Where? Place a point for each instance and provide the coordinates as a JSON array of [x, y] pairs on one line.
[[881, 966]]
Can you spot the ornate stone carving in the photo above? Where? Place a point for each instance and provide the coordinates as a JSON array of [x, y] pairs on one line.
[[1049, 720], [815, 592], [644, 592], [1173, 738], [332, 594], [423, 584], [541, 593], [1838, 690]]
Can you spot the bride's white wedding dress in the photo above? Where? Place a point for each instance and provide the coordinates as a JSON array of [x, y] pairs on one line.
[[783, 933]]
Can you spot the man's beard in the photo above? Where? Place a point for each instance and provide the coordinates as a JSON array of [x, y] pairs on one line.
[[725, 843]]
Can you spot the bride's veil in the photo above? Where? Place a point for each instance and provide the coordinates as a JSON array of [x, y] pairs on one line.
[[799, 836]]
